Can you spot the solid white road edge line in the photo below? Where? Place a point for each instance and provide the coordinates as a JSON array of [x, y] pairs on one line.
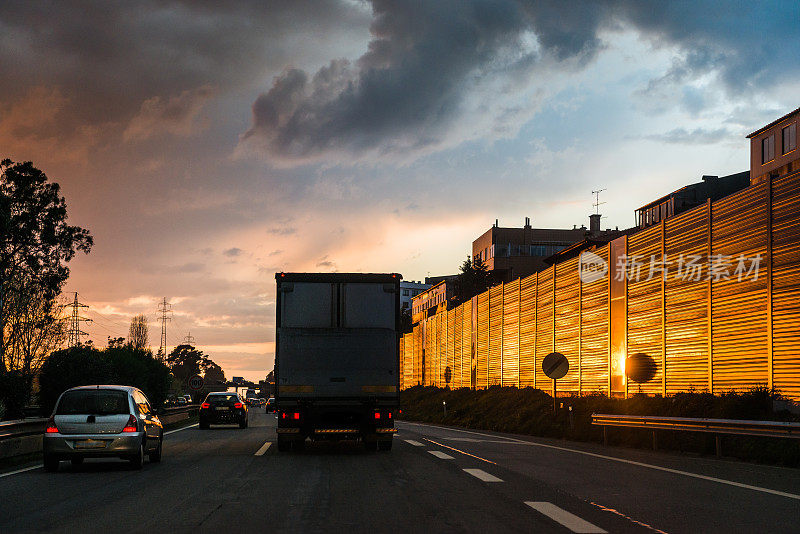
[[414, 443], [31, 468], [441, 455], [559, 515], [263, 449], [483, 475], [631, 462], [179, 429]]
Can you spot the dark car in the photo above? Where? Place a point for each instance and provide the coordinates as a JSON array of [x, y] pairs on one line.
[[270, 405], [223, 408]]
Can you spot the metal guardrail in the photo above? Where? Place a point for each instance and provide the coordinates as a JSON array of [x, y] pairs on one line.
[[737, 427], [22, 427], [28, 427]]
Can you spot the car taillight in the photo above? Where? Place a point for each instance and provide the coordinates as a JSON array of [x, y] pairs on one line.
[[131, 425], [51, 427], [205, 406], [237, 405]]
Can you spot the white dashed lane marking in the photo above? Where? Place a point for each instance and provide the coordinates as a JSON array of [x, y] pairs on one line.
[[483, 475], [414, 443], [263, 449], [559, 515], [441, 455]]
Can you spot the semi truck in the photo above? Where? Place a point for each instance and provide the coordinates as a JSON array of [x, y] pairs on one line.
[[336, 358]]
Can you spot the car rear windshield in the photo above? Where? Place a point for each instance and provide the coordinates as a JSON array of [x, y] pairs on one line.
[[216, 399], [93, 401]]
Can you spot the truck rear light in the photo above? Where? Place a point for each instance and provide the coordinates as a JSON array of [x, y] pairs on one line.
[[237, 405], [283, 415], [51, 427], [131, 425], [377, 415], [296, 416], [205, 406], [390, 415]]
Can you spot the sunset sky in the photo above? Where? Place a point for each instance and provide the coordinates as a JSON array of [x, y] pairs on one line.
[[208, 146]]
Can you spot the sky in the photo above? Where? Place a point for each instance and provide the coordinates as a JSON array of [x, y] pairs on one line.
[[207, 146]]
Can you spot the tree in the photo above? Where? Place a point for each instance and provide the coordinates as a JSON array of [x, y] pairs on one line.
[[138, 334], [35, 240], [214, 374], [473, 278]]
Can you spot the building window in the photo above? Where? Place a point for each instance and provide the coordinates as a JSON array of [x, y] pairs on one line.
[[405, 292], [789, 135], [767, 149]]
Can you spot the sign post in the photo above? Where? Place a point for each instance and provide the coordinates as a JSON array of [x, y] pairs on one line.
[[555, 365]]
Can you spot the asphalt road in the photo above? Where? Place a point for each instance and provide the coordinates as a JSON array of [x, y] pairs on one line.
[[434, 480]]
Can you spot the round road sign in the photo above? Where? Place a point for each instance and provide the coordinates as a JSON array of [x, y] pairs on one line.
[[555, 365], [196, 383]]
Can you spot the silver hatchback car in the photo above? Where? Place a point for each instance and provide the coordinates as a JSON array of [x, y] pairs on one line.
[[102, 421]]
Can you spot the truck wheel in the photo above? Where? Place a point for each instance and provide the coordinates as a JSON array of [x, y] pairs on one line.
[[203, 426], [370, 445], [284, 445], [299, 445], [385, 445]]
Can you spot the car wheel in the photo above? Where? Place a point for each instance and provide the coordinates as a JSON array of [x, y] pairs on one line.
[[138, 459], [155, 456], [50, 463], [76, 461]]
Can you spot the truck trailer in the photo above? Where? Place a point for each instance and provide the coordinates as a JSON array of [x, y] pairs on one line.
[[336, 358]]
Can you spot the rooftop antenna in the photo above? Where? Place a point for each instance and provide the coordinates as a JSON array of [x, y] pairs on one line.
[[597, 202]]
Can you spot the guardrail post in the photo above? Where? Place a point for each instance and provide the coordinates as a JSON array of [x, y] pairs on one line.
[[605, 436], [718, 440], [655, 441]]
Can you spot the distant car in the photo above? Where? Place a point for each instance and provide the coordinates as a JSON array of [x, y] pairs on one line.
[[270, 405], [223, 408], [102, 421], [188, 399], [181, 401]]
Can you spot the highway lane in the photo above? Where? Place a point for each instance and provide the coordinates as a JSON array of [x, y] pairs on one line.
[[229, 479], [669, 492]]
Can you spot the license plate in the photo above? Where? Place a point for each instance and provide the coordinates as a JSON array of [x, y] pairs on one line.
[[222, 408], [90, 444]]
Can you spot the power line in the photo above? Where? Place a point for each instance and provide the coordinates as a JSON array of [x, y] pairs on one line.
[[165, 309], [74, 333]]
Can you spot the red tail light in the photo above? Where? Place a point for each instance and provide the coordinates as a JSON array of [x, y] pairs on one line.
[[131, 425], [296, 416], [237, 405], [283, 415], [377, 415], [51, 427], [390, 415], [205, 406]]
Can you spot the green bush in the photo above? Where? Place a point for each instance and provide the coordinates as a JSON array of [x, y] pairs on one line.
[[84, 365], [530, 411]]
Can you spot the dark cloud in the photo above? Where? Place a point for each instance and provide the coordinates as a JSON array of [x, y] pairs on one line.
[[233, 252], [282, 230], [426, 59]]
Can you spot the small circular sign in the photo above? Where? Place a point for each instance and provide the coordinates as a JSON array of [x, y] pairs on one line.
[[640, 368], [555, 365], [196, 383]]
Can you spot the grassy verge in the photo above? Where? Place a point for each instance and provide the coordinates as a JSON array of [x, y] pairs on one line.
[[530, 411]]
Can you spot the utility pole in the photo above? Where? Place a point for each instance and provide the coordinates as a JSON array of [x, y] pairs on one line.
[[165, 309], [74, 333], [189, 339]]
